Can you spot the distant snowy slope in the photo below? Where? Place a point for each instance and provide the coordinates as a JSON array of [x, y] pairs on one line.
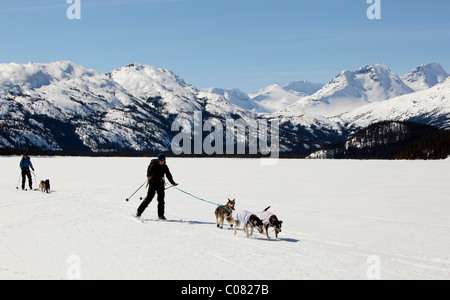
[[351, 89], [430, 106], [304, 86], [67, 87], [236, 97], [150, 82], [275, 97], [19, 77], [269, 99], [425, 76]]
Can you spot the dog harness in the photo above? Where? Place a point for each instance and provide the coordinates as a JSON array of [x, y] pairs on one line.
[[243, 216], [266, 217]]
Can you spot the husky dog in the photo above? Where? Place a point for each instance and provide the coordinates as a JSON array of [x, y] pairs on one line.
[[248, 219], [44, 186], [270, 220], [225, 211]]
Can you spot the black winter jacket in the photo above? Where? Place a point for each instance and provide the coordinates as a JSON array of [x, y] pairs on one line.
[[157, 172]]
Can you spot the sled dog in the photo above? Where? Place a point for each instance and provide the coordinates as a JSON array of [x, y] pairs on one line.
[[44, 186], [270, 220], [225, 212], [248, 219]]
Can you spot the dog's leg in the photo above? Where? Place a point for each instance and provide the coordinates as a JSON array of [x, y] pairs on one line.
[[251, 231], [217, 219], [223, 217], [266, 227], [236, 225], [246, 230], [230, 220]]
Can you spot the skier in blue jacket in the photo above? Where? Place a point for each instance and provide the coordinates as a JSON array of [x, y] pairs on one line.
[[25, 165]]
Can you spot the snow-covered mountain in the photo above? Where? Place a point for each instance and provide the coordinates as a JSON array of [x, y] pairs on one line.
[[148, 82], [275, 97], [351, 89], [303, 86], [236, 97], [63, 106], [15, 76], [430, 106], [425, 76]]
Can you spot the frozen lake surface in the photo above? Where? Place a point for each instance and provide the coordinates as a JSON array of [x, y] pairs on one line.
[[341, 220]]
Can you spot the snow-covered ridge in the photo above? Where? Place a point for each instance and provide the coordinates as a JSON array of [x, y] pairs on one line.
[[304, 86], [351, 89], [60, 105], [234, 96], [425, 76], [37, 75], [149, 82], [133, 107], [432, 104], [276, 97]]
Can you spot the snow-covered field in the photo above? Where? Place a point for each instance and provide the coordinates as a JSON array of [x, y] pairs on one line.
[[341, 220]]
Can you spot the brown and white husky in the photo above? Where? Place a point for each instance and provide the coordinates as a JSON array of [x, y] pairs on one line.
[[225, 212]]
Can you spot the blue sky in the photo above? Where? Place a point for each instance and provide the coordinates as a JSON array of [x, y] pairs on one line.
[[245, 44]]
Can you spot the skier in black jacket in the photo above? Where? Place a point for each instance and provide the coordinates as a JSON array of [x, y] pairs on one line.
[[155, 175]]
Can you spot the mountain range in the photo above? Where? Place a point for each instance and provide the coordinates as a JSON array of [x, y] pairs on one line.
[[62, 106]]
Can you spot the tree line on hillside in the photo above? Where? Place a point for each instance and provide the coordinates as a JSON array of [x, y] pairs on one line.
[[383, 140], [392, 140]]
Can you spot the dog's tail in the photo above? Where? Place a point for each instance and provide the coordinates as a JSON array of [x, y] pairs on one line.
[[267, 208]]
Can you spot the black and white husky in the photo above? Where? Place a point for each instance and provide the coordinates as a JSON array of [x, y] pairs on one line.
[[270, 220], [248, 219]]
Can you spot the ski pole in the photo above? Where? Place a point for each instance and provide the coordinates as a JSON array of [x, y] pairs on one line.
[[18, 181], [142, 198], [35, 180], [128, 199], [169, 187]]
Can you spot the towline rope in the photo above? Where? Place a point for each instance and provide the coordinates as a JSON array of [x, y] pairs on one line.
[[198, 198]]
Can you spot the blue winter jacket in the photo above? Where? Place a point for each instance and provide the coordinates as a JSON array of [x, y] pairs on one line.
[[25, 164]]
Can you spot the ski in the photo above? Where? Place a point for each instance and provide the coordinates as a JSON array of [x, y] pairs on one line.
[[167, 221], [136, 218], [144, 220]]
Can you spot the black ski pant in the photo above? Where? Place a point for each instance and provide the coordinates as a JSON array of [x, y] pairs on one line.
[[26, 173], [152, 190]]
